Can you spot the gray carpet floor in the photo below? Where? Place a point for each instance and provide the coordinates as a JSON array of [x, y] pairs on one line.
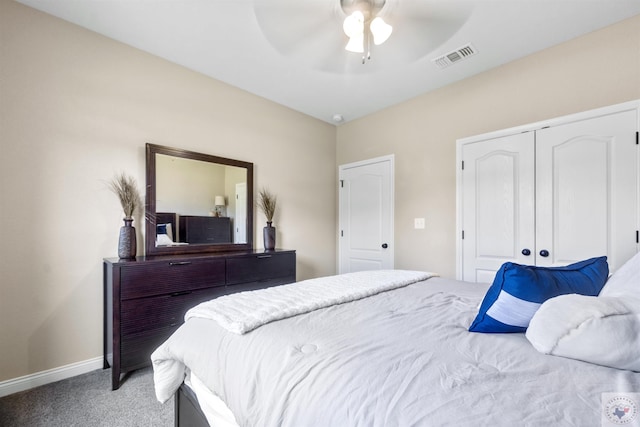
[[87, 400]]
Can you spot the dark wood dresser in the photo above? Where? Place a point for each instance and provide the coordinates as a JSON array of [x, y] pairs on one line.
[[205, 229], [145, 299]]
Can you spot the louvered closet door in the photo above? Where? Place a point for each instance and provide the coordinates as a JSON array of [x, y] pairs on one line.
[[586, 190], [498, 205]]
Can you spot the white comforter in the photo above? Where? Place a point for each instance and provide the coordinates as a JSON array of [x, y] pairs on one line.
[[243, 312], [398, 358]]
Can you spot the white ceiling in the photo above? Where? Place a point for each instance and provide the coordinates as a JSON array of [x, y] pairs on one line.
[[292, 51]]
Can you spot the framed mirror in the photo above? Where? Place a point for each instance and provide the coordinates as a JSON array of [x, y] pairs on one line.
[[197, 203]]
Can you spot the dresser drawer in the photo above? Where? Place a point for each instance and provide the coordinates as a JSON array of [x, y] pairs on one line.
[[143, 314], [136, 349], [260, 284], [261, 267], [158, 278]]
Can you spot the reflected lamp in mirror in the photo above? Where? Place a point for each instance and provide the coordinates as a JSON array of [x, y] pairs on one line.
[[219, 205]]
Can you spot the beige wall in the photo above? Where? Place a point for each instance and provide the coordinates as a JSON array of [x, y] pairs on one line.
[[598, 69], [76, 108]]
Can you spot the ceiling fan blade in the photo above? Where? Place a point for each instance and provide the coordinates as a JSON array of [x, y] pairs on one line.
[[307, 31], [310, 31], [288, 24], [419, 27]]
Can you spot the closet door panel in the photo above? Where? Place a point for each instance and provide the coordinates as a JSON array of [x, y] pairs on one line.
[[498, 205], [586, 190]]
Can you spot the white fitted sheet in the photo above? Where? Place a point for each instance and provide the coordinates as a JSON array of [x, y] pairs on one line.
[[214, 409]]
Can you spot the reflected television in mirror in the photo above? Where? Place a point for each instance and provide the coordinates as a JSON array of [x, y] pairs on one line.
[[197, 203]]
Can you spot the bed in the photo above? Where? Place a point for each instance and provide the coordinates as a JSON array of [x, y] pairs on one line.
[[165, 228], [397, 356]]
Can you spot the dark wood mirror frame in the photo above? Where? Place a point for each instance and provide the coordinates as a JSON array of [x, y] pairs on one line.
[[150, 204]]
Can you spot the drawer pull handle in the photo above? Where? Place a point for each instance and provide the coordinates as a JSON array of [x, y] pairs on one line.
[[264, 256], [178, 294], [175, 264]]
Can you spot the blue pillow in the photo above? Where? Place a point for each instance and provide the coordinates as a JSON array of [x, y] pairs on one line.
[[519, 290]]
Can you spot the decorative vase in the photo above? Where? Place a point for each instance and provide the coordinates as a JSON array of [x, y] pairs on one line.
[[127, 241], [269, 235]]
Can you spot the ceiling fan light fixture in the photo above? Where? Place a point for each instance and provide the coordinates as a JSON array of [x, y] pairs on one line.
[[362, 26], [380, 30], [354, 24], [356, 44], [354, 28]]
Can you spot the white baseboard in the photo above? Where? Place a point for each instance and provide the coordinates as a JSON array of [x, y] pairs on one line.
[[52, 375]]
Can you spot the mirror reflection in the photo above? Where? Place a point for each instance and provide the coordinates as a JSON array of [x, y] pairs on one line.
[[199, 202], [196, 202]]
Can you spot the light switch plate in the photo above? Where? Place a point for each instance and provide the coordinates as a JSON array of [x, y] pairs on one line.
[[418, 223]]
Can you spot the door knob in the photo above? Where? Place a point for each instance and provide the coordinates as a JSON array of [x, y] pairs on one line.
[[385, 246], [526, 252], [544, 253]]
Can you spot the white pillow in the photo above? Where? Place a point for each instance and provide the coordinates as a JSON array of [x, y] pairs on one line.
[[625, 281], [163, 240], [600, 330]]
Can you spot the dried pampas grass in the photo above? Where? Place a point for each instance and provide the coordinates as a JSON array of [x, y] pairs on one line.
[[126, 189], [267, 203]]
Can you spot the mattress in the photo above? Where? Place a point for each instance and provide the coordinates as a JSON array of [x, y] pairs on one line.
[[399, 358]]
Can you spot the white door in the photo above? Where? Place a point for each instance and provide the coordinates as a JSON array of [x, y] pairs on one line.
[[498, 210], [586, 200], [551, 197], [240, 229], [366, 215]]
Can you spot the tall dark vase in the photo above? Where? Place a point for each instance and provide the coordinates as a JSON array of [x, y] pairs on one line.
[[269, 236], [127, 241]]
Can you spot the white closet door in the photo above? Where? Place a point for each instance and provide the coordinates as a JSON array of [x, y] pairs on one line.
[[586, 190], [498, 212]]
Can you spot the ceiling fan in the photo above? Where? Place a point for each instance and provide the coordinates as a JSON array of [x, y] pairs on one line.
[[324, 34]]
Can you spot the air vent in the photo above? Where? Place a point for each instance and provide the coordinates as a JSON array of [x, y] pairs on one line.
[[455, 56]]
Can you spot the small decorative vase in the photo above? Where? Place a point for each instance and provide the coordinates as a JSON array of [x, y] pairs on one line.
[[269, 235], [127, 241]]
